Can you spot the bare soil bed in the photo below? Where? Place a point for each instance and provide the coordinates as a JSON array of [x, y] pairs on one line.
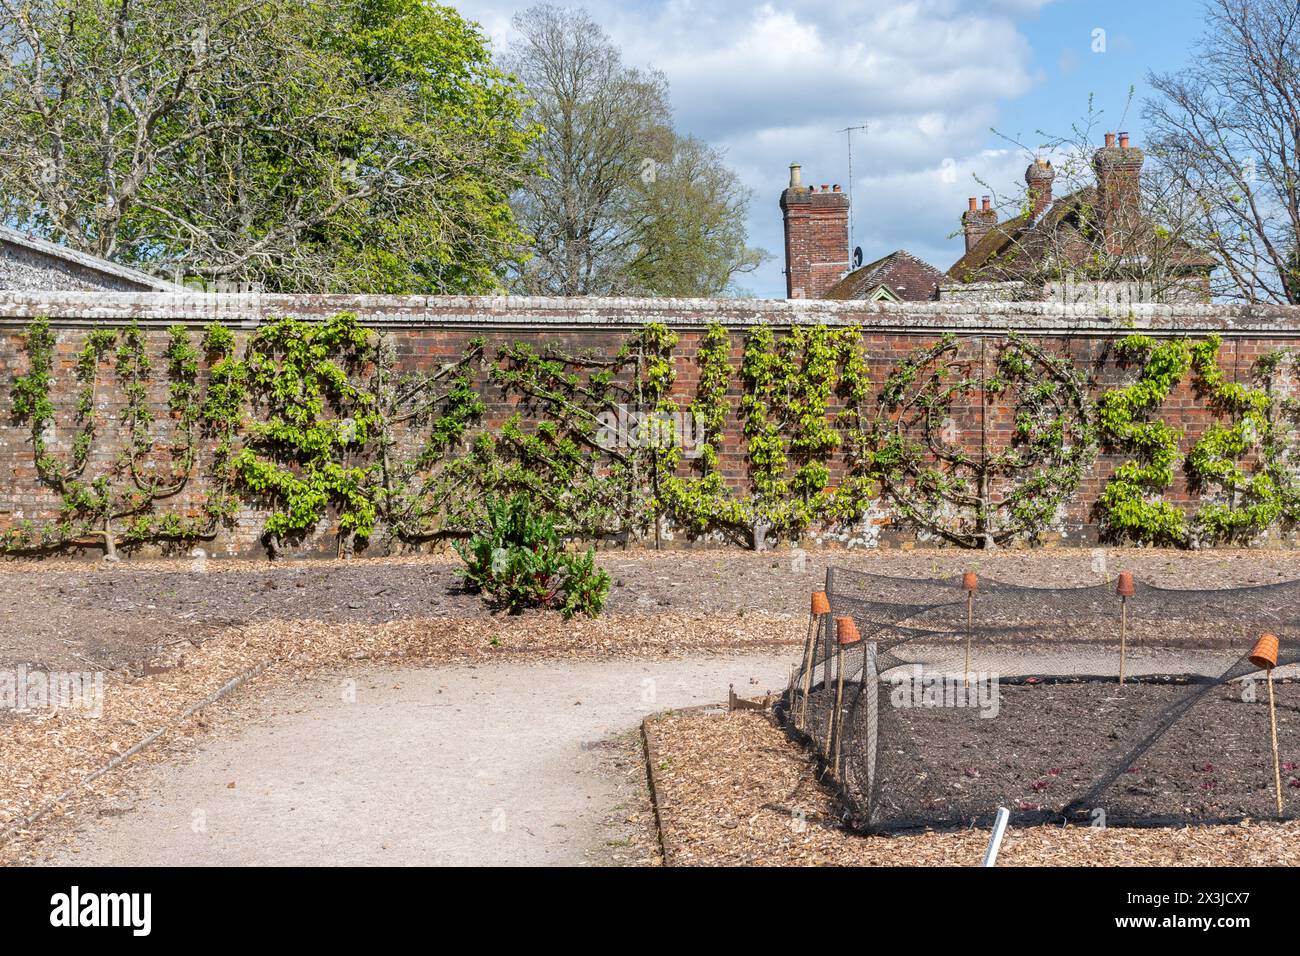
[[169, 634], [1049, 743], [62, 614], [733, 789]]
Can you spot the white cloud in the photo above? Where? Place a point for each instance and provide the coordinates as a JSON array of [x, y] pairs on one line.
[[775, 82]]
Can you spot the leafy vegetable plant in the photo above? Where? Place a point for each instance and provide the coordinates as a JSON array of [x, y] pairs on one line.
[[517, 561]]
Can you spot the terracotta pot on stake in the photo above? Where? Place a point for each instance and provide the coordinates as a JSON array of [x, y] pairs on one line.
[[970, 583], [1264, 656], [846, 633], [821, 605], [1125, 590]]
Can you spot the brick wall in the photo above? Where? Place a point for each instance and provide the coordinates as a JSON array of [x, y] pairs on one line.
[[428, 332]]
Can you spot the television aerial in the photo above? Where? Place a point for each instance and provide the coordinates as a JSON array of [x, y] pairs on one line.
[[848, 132]]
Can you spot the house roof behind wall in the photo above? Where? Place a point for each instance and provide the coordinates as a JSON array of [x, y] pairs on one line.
[[906, 277], [42, 255]]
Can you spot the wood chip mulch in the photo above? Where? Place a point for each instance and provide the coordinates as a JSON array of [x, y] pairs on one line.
[[733, 790], [47, 755]]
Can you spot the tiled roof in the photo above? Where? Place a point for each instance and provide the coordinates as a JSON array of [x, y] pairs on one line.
[[1014, 250], [904, 275]]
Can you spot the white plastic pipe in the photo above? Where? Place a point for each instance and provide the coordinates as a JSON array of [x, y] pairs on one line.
[[995, 841], [871, 681]]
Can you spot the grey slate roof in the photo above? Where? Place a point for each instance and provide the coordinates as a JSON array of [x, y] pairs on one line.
[[31, 264]]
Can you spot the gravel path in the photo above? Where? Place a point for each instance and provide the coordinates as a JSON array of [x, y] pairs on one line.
[[499, 764]]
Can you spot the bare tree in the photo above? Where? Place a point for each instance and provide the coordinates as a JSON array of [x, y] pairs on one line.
[[1227, 128], [84, 120], [600, 118], [620, 204], [1093, 221]]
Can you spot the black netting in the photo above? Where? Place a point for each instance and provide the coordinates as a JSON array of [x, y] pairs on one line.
[[954, 703]]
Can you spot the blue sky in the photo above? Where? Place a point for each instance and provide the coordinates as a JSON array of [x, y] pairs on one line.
[[1140, 36], [773, 82]]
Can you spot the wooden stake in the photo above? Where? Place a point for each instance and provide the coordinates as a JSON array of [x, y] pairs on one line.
[[970, 627], [809, 644], [1277, 766], [830, 718], [838, 715], [1123, 636]]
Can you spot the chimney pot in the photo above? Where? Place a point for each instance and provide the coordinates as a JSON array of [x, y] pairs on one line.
[[978, 222], [1119, 194], [816, 236], [1039, 177], [974, 203]]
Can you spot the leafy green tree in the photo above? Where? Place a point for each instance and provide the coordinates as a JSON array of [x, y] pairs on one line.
[[308, 145], [456, 122], [691, 218]]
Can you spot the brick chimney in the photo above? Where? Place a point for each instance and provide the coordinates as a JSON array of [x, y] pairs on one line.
[[1039, 178], [978, 221], [1119, 192], [816, 237]]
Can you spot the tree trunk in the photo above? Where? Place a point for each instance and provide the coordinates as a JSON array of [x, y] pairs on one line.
[[110, 540]]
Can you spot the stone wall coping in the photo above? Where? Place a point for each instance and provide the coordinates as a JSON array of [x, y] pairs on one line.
[[488, 313]]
